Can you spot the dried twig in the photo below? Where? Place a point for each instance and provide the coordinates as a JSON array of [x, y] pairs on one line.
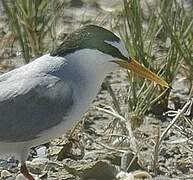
[[108, 147], [176, 114], [126, 122], [156, 151], [112, 94], [179, 113]]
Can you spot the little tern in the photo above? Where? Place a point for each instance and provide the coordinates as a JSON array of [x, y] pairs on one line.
[[43, 99]]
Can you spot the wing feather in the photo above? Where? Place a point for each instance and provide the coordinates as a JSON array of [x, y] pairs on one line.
[[32, 104]]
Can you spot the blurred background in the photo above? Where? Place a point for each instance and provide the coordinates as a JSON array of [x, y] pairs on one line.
[[134, 129]]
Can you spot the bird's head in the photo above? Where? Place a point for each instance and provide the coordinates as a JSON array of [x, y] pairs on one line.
[[107, 44]]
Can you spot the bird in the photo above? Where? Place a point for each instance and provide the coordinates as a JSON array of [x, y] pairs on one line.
[[43, 99]]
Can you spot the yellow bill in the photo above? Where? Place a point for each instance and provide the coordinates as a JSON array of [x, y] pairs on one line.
[[142, 71]]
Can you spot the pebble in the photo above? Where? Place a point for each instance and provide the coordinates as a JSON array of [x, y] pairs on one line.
[[98, 170], [5, 174], [51, 165], [92, 155], [41, 152], [124, 176], [20, 177], [35, 167], [40, 161]]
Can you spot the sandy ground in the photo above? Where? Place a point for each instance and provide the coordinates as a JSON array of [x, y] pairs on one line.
[[90, 152]]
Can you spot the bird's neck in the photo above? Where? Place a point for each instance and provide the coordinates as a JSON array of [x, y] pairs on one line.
[[92, 61], [91, 65], [90, 68]]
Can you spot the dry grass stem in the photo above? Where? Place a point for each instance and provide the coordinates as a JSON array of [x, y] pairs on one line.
[[160, 138], [178, 113], [112, 94], [108, 147], [123, 121]]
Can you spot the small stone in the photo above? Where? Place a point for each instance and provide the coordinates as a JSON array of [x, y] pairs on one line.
[[124, 176], [100, 170], [52, 166], [35, 167], [142, 175], [5, 174], [93, 170], [92, 155], [41, 152], [20, 177], [42, 161]]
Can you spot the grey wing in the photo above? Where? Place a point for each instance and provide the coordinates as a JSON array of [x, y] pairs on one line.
[[30, 106]]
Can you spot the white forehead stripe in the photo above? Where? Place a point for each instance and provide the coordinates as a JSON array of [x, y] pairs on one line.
[[120, 46]]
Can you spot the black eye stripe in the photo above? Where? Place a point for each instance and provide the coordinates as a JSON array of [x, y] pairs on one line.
[[116, 49]]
